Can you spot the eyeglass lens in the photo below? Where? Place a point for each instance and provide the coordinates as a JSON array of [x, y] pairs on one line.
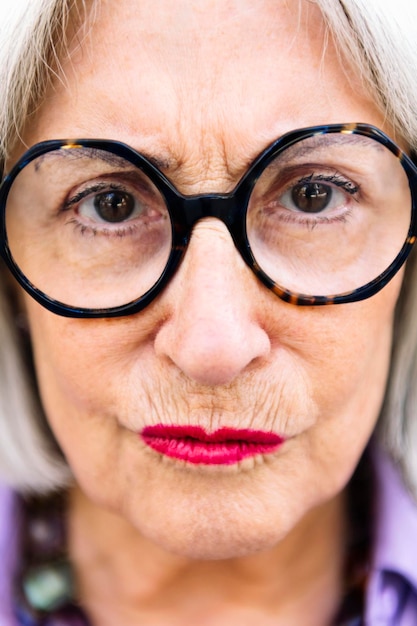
[[91, 230], [88, 228], [329, 214]]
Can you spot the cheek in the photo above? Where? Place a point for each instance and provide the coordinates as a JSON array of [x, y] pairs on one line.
[[77, 378], [349, 369], [81, 361]]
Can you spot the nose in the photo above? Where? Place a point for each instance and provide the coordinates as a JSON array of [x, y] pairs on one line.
[[213, 331]]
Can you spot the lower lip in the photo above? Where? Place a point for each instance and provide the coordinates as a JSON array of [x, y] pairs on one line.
[[222, 447]]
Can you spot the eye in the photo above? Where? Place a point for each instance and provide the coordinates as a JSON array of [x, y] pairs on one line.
[[114, 206], [109, 205], [311, 197]]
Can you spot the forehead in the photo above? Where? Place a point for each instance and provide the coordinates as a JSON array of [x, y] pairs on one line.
[[203, 86]]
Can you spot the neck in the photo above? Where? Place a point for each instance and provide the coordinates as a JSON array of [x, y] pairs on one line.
[[300, 580]]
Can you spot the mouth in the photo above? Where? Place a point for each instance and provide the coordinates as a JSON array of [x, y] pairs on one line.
[[224, 446]]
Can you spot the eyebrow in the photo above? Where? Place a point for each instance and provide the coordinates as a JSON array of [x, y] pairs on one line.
[[306, 146], [71, 151]]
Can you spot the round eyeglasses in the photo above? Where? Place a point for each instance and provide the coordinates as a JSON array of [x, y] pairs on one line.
[[325, 215]]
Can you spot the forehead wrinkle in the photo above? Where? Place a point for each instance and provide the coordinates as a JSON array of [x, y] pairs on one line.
[[216, 168], [215, 152]]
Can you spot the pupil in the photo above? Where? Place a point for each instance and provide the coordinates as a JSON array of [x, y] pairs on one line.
[[311, 197], [114, 206]]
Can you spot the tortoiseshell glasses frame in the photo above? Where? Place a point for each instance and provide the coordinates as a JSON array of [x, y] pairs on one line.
[[185, 211]]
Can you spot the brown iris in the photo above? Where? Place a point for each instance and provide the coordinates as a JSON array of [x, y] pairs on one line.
[[114, 206], [311, 197]]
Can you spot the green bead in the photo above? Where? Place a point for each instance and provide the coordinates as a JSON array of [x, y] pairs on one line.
[[48, 587]]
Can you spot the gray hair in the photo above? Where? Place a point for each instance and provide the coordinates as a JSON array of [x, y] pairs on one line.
[[376, 37]]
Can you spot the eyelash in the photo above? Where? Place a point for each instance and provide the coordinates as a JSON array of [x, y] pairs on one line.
[[90, 229], [335, 179], [312, 221]]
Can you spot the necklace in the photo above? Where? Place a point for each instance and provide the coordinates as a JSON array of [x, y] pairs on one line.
[[45, 592]]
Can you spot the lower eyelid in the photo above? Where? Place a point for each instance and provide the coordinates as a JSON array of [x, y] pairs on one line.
[[300, 219], [105, 227]]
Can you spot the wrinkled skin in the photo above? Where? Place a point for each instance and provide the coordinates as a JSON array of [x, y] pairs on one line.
[[216, 348]]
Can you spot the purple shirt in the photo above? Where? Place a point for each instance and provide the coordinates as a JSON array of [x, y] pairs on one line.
[[392, 589], [8, 543]]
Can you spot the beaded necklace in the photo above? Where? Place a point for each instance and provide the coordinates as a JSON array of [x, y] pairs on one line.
[[45, 591]]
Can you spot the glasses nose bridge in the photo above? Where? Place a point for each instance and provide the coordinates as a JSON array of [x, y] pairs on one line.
[[229, 208], [223, 207]]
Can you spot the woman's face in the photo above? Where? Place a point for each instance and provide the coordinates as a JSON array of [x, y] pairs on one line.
[[203, 88]]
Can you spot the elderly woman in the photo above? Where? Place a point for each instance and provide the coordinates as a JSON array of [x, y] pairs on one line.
[[208, 314]]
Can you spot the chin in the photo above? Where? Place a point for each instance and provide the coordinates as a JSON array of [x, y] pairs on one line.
[[210, 549], [210, 539]]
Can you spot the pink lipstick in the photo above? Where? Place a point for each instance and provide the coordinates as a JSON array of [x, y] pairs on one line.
[[222, 447]]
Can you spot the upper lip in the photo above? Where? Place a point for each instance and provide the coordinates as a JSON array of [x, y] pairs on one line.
[[221, 435]]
